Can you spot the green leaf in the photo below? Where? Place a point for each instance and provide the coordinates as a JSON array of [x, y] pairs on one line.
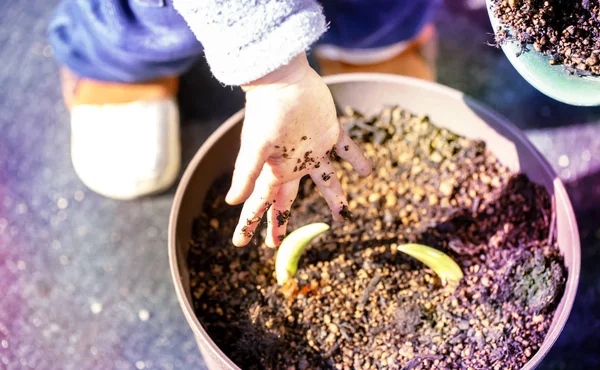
[[291, 248], [438, 261]]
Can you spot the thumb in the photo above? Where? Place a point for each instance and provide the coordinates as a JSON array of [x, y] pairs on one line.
[[248, 166]]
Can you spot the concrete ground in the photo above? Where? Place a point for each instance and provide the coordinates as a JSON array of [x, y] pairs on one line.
[[84, 281]]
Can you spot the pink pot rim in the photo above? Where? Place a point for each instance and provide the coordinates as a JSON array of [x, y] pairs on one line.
[[573, 274]]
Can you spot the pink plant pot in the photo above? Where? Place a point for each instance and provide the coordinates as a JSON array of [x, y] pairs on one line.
[[369, 93]]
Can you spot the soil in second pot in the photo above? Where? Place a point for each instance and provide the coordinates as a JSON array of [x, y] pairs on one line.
[[566, 30], [358, 303]]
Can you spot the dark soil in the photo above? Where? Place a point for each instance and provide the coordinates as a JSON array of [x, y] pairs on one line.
[[566, 30], [358, 303]]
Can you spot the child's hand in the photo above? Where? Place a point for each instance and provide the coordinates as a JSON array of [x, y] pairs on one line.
[[289, 131]]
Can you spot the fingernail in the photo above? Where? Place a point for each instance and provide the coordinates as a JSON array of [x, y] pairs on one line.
[[239, 239], [231, 195], [270, 243]]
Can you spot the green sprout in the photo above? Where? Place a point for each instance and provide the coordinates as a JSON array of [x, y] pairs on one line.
[[292, 247], [438, 261]]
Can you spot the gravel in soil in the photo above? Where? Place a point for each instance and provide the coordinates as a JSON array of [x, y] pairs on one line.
[[358, 303], [566, 30]]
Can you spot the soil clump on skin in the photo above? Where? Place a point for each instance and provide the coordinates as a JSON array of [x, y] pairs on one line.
[[358, 303], [566, 30]]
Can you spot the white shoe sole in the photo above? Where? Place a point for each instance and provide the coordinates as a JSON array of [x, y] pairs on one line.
[[126, 151], [361, 56]]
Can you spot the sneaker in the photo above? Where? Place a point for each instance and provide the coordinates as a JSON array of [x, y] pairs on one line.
[[124, 137], [414, 57]]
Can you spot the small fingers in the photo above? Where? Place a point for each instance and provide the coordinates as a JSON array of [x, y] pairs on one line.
[[279, 213], [259, 201], [248, 166], [329, 185], [347, 149]]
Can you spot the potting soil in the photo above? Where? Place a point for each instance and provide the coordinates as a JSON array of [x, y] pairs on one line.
[[358, 303], [566, 30]]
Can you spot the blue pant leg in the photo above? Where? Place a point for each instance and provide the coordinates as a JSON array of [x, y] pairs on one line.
[[365, 24], [138, 40], [122, 40]]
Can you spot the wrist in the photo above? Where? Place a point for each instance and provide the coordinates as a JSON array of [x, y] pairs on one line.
[[285, 75]]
